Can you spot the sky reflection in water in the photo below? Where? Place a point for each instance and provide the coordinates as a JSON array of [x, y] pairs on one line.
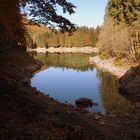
[[71, 77]]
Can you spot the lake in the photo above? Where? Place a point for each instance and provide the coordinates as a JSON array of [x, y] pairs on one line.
[[67, 77]]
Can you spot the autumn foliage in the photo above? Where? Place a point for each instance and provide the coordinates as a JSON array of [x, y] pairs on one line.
[[12, 27], [44, 37], [120, 35]]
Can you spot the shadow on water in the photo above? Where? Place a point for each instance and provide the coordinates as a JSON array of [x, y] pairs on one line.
[[70, 76]]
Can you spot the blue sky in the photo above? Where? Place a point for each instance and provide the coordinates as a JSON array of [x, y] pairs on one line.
[[88, 12]]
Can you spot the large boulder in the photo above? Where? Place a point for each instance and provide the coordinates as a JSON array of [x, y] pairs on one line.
[[84, 102], [130, 84]]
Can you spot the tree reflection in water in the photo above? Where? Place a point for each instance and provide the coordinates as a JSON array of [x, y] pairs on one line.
[[107, 84], [76, 61], [109, 89]]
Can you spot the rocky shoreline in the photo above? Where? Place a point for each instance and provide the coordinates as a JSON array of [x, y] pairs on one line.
[[107, 65], [26, 113], [86, 50], [128, 77]]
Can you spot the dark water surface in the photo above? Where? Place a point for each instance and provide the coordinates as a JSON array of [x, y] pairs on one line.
[[67, 77]]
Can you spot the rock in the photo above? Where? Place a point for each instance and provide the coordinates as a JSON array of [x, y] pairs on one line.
[[112, 116], [84, 102], [102, 123], [130, 84], [98, 117]]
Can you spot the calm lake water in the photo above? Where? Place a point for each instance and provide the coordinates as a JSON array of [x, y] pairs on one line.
[[67, 77]]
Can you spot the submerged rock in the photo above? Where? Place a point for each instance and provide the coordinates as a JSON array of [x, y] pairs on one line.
[[85, 102]]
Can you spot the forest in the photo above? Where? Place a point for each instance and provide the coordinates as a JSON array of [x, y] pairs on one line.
[[44, 37], [120, 35], [13, 25]]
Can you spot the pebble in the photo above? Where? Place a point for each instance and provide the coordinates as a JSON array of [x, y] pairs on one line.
[[102, 123], [97, 117]]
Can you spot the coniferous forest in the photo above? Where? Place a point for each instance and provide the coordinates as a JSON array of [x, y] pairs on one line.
[[120, 35], [44, 37]]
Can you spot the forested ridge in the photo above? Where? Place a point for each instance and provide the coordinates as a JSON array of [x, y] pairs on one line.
[[120, 35], [44, 37]]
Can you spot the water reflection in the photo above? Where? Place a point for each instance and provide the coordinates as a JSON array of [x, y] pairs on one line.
[[70, 76], [78, 61], [109, 89]]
